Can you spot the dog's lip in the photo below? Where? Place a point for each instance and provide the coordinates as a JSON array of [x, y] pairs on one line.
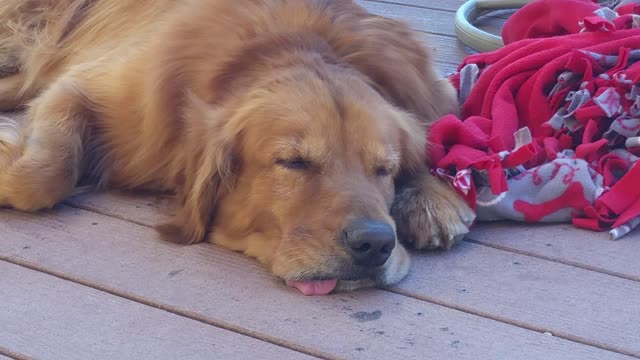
[[325, 284], [313, 287]]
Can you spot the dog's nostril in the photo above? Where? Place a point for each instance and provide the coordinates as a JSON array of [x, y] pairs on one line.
[[363, 247], [370, 243], [388, 248]]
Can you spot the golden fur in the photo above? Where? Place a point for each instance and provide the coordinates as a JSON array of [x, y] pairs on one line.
[[275, 122]]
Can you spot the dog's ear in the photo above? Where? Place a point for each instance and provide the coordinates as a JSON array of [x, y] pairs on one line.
[[397, 61], [412, 140], [207, 173], [399, 65]]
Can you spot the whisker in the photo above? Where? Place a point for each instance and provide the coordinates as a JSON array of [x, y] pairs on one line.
[[288, 251], [294, 259]]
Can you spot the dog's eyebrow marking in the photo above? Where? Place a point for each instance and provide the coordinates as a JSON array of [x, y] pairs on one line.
[[286, 146], [382, 155], [307, 148], [393, 155]]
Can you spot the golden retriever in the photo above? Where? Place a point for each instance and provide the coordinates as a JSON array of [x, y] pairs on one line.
[[291, 130]]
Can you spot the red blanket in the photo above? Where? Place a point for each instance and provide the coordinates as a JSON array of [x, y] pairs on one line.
[[550, 122]]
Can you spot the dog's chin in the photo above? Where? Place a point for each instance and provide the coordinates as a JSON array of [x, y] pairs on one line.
[[392, 272]]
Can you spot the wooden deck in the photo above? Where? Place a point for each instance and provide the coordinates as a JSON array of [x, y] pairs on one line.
[[91, 280]]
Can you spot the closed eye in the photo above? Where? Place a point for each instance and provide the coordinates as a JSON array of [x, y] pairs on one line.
[[382, 171], [294, 163]]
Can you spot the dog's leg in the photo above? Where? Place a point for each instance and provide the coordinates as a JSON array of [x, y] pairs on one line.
[[40, 156], [429, 214]]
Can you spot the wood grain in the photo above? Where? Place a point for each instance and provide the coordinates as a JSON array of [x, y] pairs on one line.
[[450, 5], [524, 281], [432, 20], [566, 244], [567, 301], [48, 318], [445, 49], [428, 20], [446, 69], [231, 291]]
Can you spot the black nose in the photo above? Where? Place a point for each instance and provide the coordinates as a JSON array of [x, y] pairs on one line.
[[369, 242]]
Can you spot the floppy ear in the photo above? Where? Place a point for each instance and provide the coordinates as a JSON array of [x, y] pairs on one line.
[[206, 176], [391, 54], [412, 137]]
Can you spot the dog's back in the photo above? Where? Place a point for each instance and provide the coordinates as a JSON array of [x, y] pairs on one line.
[[42, 38]]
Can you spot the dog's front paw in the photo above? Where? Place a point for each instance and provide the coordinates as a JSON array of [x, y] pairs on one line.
[[10, 139], [429, 214]]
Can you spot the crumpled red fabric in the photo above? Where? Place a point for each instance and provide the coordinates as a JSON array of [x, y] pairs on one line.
[[545, 119], [547, 18]]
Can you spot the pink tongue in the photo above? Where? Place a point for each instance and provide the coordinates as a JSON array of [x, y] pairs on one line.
[[319, 287]]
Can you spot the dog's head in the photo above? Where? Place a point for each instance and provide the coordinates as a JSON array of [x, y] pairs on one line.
[[296, 165], [300, 174]]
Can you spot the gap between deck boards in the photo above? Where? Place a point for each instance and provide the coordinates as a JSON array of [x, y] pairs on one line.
[[556, 260], [469, 238], [520, 324], [91, 321], [170, 309], [446, 304], [8, 354], [195, 316]]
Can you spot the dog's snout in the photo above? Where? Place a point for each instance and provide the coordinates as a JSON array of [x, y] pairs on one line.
[[369, 242]]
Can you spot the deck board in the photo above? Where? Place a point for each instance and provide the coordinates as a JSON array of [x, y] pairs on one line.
[[57, 319], [444, 50], [426, 20], [566, 244], [463, 279], [436, 27], [220, 288], [566, 301], [558, 242], [449, 5], [98, 262]]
